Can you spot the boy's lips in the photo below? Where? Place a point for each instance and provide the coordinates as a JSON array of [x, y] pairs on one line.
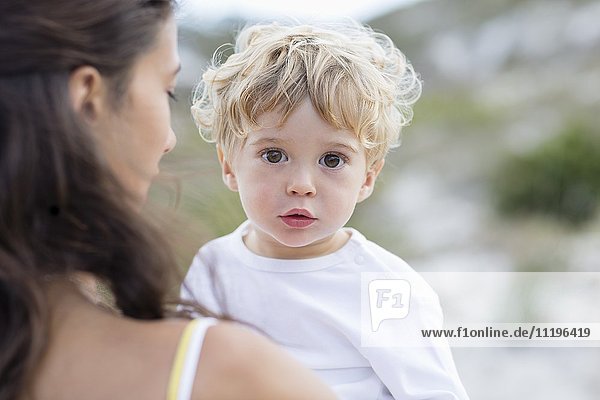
[[298, 211], [298, 218]]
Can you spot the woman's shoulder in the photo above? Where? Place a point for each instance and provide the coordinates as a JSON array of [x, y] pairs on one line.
[[237, 362], [92, 353], [118, 356]]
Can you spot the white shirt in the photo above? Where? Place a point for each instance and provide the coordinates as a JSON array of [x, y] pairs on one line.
[[312, 307]]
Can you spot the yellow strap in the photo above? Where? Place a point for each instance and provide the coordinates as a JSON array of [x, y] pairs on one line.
[[182, 350]]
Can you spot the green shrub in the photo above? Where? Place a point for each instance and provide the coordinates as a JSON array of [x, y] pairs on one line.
[[561, 178]]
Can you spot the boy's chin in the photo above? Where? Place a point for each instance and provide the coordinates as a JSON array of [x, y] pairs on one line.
[[296, 243], [307, 243]]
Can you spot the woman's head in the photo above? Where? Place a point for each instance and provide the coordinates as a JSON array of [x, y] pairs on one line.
[[133, 137], [44, 45], [83, 122], [355, 78]]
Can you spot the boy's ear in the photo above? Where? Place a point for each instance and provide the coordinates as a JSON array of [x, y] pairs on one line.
[[372, 173], [227, 171], [87, 93]]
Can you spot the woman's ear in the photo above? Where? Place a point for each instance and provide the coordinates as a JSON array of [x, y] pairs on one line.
[[369, 184], [227, 171], [87, 92]]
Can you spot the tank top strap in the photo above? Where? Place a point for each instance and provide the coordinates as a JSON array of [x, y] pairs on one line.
[[183, 371]]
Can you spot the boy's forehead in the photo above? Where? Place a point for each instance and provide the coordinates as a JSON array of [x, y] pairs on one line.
[[269, 118], [302, 122]]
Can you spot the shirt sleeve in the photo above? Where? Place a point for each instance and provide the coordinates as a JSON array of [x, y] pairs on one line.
[[201, 283], [413, 367]]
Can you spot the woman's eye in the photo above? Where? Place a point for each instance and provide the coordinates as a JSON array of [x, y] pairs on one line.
[[332, 161], [274, 156]]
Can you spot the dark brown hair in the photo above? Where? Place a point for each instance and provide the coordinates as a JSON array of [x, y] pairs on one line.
[[61, 208]]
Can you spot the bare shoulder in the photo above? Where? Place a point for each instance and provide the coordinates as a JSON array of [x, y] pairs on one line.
[[237, 362]]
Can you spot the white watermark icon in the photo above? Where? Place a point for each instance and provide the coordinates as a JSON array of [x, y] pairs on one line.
[[388, 299]]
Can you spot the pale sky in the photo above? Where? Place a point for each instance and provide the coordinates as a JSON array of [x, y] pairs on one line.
[[214, 10]]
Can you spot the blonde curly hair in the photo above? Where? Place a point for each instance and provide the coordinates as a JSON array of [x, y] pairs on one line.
[[355, 78]]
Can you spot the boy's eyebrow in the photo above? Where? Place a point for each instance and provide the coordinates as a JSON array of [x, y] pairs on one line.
[[269, 140], [262, 141], [349, 147]]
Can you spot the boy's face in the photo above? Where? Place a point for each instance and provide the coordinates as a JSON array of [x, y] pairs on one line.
[[299, 183]]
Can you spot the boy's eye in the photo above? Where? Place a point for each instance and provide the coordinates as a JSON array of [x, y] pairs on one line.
[[274, 156], [332, 161]]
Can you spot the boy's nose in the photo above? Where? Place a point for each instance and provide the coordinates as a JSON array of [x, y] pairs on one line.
[[301, 185]]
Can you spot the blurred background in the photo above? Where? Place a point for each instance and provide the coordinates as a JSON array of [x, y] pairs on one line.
[[500, 170]]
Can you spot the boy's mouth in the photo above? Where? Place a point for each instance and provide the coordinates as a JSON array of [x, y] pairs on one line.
[[298, 218]]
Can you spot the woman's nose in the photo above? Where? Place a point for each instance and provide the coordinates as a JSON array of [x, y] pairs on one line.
[[171, 141]]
